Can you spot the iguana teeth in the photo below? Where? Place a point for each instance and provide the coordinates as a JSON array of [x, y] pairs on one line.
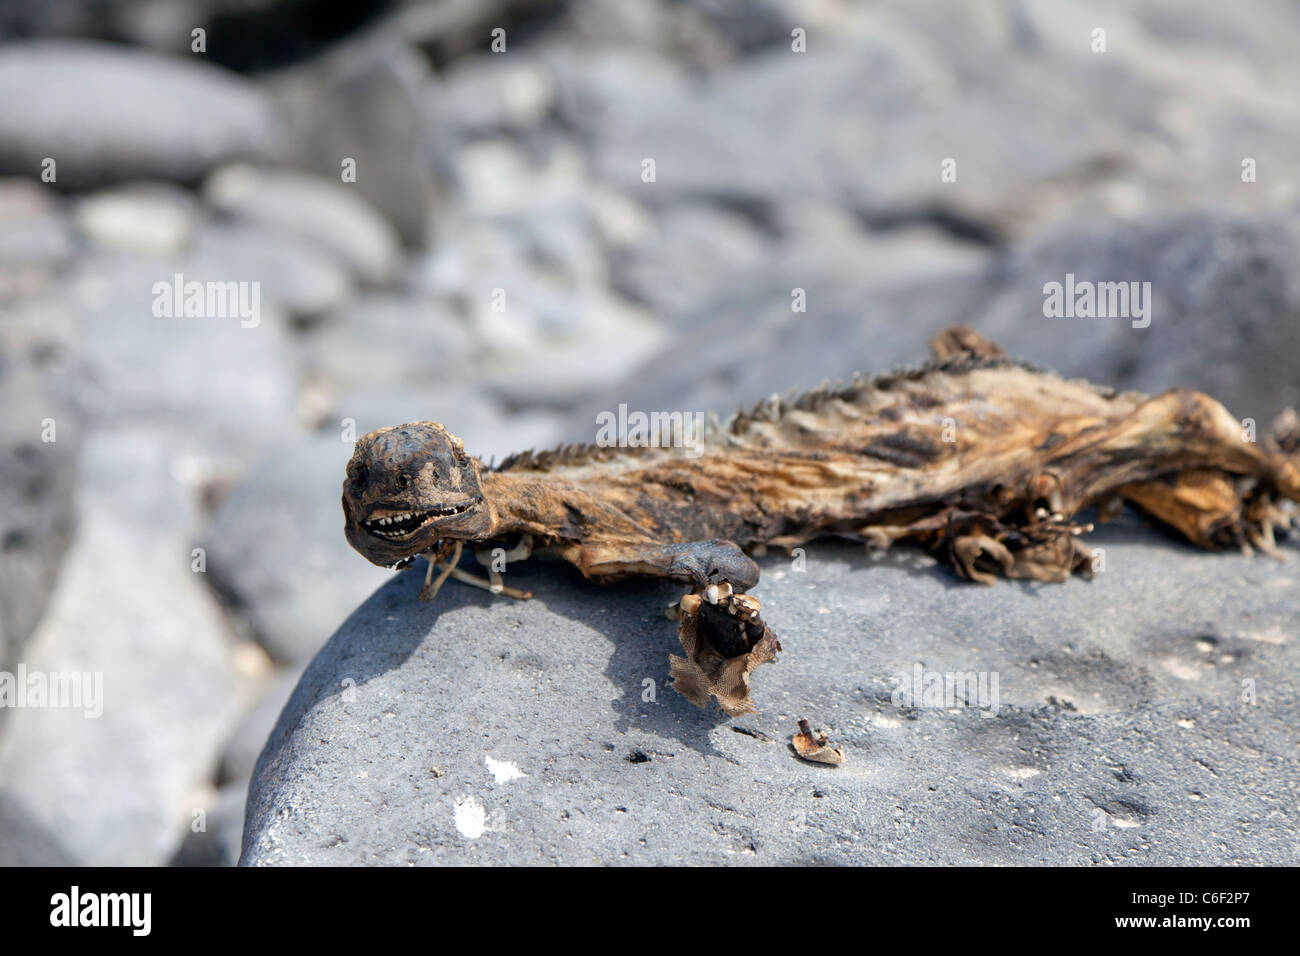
[[402, 526]]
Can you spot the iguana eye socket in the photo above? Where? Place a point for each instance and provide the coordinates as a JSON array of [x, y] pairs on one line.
[[361, 476]]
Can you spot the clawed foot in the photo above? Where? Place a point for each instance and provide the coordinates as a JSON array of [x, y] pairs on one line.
[[1263, 520], [728, 621], [967, 549], [725, 638], [1048, 548]]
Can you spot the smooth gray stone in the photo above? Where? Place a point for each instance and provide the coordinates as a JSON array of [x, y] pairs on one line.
[[108, 114], [41, 370], [295, 274], [35, 238], [1223, 300], [220, 390], [27, 842], [276, 548], [363, 103], [1223, 296], [1040, 127], [246, 743], [217, 844], [747, 343], [386, 339], [157, 218], [690, 254], [1122, 733], [113, 778], [483, 97], [322, 213]]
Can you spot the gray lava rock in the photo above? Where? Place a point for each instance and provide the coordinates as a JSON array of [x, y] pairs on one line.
[[294, 273], [402, 340], [870, 305], [106, 114], [26, 841], [246, 743], [35, 239], [561, 375], [363, 102], [40, 441], [689, 255], [900, 105], [1146, 716], [749, 25], [1224, 307], [321, 212], [277, 548], [216, 843], [145, 217], [482, 98], [1224, 316], [998, 90], [217, 388], [115, 786]]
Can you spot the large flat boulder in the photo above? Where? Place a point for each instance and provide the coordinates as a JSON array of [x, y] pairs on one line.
[[1146, 716]]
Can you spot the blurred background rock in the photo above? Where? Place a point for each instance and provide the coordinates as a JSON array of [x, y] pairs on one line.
[[521, 171]]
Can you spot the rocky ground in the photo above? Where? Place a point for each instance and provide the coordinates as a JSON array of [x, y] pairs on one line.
[[169, 487], [543, 732]]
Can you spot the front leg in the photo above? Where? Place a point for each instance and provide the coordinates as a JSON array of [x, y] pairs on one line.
[[720, 628], [696, 563], [448, 554]]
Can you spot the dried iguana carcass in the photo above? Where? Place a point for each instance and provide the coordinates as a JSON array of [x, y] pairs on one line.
[[982, 459]]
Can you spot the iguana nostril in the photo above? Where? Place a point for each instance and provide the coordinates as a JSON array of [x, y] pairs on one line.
[[403, 480]]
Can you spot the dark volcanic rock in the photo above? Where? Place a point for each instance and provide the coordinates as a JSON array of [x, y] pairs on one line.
[[1146, 716], [1225, 307], [1224, 318]]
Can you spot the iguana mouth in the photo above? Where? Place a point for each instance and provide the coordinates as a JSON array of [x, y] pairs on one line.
[[400, 525]]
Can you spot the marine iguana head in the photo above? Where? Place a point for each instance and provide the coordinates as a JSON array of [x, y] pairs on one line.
[[408, 487]]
